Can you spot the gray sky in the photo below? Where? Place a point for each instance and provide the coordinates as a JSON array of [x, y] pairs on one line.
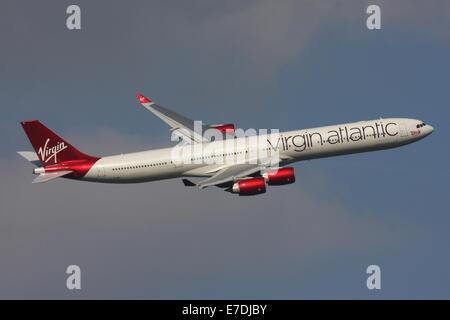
[[260, 64]]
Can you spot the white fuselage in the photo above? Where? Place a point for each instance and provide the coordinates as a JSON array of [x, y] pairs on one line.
[[292, 146]]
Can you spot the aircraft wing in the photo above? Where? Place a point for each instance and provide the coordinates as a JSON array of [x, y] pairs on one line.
[[229, 174], [44, 177], [183, 127], [238, 171]]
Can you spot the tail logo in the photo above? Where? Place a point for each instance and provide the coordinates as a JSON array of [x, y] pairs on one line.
[[46, 153]]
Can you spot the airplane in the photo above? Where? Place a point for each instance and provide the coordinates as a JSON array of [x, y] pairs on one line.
[[236, 163]]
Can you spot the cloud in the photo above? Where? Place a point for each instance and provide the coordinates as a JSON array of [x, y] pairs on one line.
[[195, 55], [162, 240]]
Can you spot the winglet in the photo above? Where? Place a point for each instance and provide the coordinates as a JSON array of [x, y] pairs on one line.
[[143, 99], [188, 183]]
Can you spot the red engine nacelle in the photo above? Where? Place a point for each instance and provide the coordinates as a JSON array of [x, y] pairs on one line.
[[280, 176], [249, 187], [225, 128]]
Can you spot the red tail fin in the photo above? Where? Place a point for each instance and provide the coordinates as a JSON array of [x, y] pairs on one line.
[[49, 147]]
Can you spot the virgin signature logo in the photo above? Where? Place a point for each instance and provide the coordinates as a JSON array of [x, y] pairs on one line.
[[413, 133], [46, 153]]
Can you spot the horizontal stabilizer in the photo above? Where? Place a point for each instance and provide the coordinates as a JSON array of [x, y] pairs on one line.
[[30, 156], [44, 177]]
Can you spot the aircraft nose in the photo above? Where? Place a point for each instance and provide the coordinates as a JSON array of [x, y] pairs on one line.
[[428, 130]]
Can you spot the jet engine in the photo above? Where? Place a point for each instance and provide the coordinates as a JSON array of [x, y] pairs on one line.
[[280, 176], [225, 128], [249, 187]]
